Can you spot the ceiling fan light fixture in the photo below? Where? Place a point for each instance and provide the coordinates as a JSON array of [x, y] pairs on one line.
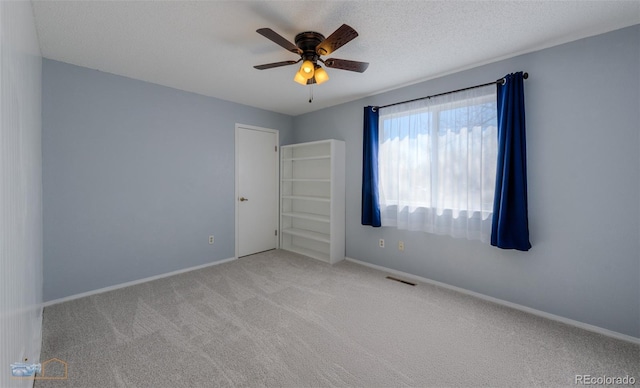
[[310, 45], [299, 78], [320, 75], [307, 69]]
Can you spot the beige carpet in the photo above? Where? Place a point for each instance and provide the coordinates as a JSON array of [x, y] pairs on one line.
[[278, 319]]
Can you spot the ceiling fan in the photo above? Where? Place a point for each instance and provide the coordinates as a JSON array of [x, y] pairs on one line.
[[310, 46]]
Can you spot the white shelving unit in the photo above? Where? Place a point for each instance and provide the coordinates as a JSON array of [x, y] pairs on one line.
[[312, 199]]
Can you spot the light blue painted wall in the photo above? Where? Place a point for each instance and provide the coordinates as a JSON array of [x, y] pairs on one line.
[[136, 176], [20, 190], [583, 134]]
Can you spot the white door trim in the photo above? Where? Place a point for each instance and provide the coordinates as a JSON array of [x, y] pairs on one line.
[[237, 189]]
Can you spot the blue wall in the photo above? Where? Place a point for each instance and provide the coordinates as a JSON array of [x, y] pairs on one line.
[[136, 176], [583, 133]]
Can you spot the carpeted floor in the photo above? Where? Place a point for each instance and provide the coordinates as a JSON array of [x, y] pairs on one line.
[[278, 319]]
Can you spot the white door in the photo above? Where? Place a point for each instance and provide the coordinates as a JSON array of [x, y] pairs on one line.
[[256, 190]]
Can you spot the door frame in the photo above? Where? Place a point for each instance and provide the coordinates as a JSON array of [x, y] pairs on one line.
[[237, 181]]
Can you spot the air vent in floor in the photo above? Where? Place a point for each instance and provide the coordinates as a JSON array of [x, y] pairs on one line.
[[401, 281]]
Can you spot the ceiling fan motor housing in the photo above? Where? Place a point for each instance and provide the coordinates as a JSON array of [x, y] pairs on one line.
[[307, 42]]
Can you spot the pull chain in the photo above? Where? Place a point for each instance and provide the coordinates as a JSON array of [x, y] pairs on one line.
[[310, 93]]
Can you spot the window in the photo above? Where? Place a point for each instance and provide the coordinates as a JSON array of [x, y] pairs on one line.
[[437, 164]]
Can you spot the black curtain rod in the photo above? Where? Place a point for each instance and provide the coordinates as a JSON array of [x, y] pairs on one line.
[[501, 81]]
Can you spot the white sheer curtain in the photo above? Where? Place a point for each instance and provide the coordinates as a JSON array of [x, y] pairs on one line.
[[437, 164]]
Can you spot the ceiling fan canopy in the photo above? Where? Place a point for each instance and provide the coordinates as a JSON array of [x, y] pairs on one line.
[[310, 46]]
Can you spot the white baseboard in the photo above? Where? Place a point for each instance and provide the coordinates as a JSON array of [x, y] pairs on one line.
[[133, 282], [553, 317]]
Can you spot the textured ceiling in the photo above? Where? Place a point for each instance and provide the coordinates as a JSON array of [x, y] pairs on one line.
[[210, 47]]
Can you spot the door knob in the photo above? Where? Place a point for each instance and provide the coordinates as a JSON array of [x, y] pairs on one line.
[[242, 199]]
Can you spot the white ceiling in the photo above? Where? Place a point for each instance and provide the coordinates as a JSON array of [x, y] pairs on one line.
[[210, 47]]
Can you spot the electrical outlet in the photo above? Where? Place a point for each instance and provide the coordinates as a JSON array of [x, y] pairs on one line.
[[381, 243], [401, 245], [210, 240]]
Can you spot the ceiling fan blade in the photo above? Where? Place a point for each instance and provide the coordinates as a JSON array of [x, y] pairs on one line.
[[276, 64], [339, 38], [279, 40], [344, 64]]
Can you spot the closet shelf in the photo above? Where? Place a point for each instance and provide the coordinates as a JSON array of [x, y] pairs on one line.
[[306, 180], [319, 157], [317, 236], [307, 198], [309, 252], [307, 216]]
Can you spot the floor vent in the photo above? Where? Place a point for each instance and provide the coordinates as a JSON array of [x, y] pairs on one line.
[[401, 281]]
